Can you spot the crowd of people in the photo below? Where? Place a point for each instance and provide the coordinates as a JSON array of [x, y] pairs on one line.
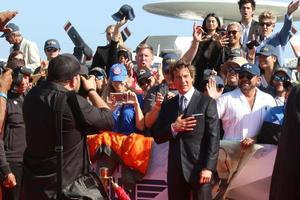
[[231, 84]]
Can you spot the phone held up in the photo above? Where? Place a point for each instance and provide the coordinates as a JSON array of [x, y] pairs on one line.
[[118, 97]]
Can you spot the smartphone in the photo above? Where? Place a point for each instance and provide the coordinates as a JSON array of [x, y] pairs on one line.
[[197, 114], [120, 97], [223, 32]]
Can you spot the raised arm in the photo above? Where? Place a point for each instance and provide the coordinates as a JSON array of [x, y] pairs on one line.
[[197, 38]]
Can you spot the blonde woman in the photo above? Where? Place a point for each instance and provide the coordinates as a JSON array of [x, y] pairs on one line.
[[106, 56]]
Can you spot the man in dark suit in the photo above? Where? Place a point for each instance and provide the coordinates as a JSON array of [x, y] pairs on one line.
[[249, 25], [285, 182], [190, 122]]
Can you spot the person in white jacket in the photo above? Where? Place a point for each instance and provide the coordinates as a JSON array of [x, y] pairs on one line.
[[28, 48]]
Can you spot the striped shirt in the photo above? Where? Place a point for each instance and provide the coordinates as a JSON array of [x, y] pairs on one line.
[[238, 120]]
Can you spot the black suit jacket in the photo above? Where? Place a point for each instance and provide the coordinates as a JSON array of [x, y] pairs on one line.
[[285, 182], [193, 150]]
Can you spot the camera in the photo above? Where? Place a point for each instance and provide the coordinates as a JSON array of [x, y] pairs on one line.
[[251, 44], [119, 97], [17, 74], [81, 90]]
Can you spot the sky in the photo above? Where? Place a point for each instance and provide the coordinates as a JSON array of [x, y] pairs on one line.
[[42, 20]]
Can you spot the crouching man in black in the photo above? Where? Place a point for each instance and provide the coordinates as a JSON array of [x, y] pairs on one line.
[[12, 142], [79, 118]]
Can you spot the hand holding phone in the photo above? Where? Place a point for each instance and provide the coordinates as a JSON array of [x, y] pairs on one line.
[[118, 97], [252, 44]]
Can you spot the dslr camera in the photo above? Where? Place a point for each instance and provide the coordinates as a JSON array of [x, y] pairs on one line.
[[252, 44], [17, 74], [82, 91]]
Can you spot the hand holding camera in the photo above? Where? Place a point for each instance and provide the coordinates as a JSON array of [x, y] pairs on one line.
[[88, 82], [252, 44]]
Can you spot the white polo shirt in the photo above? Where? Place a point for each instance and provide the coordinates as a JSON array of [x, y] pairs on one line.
[[238, 120]]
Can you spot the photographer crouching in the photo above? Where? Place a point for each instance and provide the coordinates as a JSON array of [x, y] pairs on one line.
[[13, 142]]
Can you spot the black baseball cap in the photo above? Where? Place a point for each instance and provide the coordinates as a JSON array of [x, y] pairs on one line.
[[125, 11], [64, 67]]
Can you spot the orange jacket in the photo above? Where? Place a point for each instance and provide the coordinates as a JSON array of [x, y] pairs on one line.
[[134, 149]]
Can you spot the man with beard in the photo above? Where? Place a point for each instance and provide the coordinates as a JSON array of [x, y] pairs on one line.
[[242, 110]]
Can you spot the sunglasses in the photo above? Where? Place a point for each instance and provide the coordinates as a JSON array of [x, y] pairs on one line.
[[51, 49], [234, 32], [268, 24], [280, 78], [98, 75], [232, 69], [246, 75]]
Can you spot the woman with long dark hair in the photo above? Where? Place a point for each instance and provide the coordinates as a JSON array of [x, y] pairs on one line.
[[201, 52]]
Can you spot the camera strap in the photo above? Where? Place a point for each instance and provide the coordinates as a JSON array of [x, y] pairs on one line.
[[59, 106], [60, 102]]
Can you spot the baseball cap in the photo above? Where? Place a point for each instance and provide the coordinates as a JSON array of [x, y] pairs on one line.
[[250, 68], [233, 61], [118, 72], [13, 27], [168, 59], [125, 11], [64, 67], [268, 50], [52, 43], [98, 72], [287, 71]]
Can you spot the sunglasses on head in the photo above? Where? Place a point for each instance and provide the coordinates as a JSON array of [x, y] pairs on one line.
[[234, 32], [98, 75], [246, 75], [280, 78], [268, 24], [51, 49]]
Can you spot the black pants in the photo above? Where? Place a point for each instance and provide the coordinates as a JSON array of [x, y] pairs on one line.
[[15, 192], [179, 189]]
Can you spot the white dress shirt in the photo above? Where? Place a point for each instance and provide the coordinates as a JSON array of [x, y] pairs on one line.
[[245, 33], [188, 96], [238, 120]]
